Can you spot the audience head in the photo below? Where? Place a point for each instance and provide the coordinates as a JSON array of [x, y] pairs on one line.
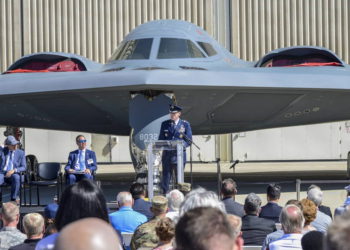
[[184, 187], [204, 228], [338, 234], [295, 202], [200, 197], [81, 200], [50, 211], [137, 191], [175, 199], [347, 188], [159, 205], [292, 219], [236, 223], [252, 204], [165, 229], [309, 211], [88, 234], [124, 199], [273, 192], [228, 188], [312, 240], [10, 214], [315, 194], [34, 226], [81, 142]]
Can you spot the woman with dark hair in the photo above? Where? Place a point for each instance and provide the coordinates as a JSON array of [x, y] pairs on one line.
[[81, 200]]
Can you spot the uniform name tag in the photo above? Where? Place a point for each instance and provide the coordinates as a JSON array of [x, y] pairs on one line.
[[90, 161]]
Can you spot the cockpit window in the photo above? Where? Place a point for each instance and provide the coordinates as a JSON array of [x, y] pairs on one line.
[[178, 48], [133, 50], [207, 48], [301, 61]]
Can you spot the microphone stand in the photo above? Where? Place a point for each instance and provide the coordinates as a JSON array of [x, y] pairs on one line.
[[190, 142]]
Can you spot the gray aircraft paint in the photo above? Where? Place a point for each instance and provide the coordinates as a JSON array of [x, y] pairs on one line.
[[146, 116], [231, 95]]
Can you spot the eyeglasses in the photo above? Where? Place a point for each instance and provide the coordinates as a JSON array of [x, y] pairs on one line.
[[81, 141]]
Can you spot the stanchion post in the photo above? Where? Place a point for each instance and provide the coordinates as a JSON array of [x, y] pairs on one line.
[[297, 188], [191, 169], [218, 175]]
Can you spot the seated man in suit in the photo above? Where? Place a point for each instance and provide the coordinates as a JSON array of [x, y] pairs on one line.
[[324, 209], [81, 162], [255, 229], [12, 163], [272, 210], [138, 193], [228, 192]]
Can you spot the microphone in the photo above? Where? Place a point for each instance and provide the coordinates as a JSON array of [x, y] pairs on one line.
[[234, 164]]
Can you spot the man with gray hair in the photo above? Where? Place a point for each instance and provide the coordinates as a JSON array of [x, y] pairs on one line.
[[34, 228], [338, 236], [175, 199], [322, 220], [201, 197], [126, 219], [292, 221], [9, 235], [254, 228]]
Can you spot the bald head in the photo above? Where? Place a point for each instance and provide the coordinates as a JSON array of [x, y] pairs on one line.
[[292, 219], [88, 234]]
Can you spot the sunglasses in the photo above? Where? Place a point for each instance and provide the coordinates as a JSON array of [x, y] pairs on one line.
[[81, 141]]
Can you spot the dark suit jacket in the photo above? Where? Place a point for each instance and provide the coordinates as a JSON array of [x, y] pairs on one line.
[[19, 160], [326, 210], [27, 245], [255, 229], [143, 207], [233, 207], [271, 211], [89, 157]]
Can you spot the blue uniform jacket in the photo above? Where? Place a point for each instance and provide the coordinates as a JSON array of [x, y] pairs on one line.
[[168, 131], [19, 160], [89, 155]]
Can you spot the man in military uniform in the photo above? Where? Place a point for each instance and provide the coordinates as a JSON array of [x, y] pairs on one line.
[[173, 129], [145, 235], [9, 235]]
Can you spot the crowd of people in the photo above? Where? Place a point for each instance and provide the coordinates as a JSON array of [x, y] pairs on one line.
[[182, 219]]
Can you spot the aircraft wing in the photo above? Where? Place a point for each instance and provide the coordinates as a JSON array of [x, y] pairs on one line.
[[214, 101]]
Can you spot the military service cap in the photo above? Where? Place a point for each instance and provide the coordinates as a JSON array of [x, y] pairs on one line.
[[174, 109], [159, 202], [184, 187]]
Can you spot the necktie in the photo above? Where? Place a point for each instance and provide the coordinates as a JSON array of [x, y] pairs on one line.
[[10, 163], [81, 161]]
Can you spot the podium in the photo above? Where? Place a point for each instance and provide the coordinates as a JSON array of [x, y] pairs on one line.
[[153, 150]]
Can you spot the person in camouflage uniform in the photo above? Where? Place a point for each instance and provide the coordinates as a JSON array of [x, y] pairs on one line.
[[9, 234], [145, 235]]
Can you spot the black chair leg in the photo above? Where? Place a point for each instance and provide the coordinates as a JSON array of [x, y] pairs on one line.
[[20, 192], [30, 194], [37, 193], [58, 190]]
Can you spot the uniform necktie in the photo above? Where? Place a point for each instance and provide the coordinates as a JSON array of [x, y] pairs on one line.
[[10, 162], [81, 161]]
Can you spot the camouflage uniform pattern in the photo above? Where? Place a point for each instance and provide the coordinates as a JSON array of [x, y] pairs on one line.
[[10, 236], [145, 235]]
